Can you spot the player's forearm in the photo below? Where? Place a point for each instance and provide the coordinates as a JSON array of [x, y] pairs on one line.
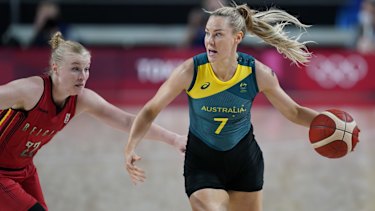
[[305, 116], [137, 132], [143, 127], [157, 133]]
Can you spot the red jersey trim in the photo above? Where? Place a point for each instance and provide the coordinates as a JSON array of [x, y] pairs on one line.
[[9, 124]]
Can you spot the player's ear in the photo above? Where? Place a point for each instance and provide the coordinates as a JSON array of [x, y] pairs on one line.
[[54, 67], [238, 37]]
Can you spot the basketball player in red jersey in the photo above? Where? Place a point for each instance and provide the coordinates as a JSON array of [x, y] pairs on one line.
[[33, 110]]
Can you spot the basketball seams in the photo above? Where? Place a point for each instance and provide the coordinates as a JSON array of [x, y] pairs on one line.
[[341, 125], [333, 133], [348, 141], [322, 127], [336, 136]]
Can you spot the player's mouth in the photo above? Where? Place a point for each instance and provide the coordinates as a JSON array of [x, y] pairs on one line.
[[79, 85], [211, 52]]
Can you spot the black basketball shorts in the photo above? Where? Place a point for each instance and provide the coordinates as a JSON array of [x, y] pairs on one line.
[[238, 169]]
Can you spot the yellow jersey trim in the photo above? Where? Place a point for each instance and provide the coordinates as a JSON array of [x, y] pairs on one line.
[[207, 83]]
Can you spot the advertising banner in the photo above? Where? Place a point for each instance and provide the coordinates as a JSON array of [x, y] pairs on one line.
[[132, 76]]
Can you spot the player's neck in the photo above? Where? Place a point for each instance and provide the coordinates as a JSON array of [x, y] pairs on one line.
[[58, 96], [225, 70]]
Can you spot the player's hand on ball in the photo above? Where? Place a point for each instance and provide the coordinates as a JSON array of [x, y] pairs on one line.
[[136, 174]]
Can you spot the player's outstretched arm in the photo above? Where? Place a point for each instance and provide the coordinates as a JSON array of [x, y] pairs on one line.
[[92, 103], [269, 85], [179, 80]]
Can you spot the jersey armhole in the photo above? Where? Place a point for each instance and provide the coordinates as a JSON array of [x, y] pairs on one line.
[[75, 102], [252, 65], [195, 74]]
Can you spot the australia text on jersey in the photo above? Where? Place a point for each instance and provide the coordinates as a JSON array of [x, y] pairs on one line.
[[232, 110]]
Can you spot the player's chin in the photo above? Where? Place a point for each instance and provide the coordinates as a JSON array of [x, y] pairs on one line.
[[211, 58], [78, 90]]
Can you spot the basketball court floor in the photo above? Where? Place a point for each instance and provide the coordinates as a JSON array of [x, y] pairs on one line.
[[82, 169]]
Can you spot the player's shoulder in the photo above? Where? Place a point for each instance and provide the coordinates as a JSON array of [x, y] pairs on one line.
[[185, 67], [36, 81], [27, 91], [200, 59], [32, 85], [260, 65], [244, 55], [265, 76], [88, 97], [90, 101], [245, 59]]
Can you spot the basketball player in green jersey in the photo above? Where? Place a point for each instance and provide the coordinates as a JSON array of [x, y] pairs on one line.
[[224, 166]]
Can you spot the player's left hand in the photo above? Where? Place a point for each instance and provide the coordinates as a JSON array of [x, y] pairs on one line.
[[180, 144]]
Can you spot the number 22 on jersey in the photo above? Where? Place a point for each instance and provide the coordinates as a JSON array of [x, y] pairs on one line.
[[31, 147]]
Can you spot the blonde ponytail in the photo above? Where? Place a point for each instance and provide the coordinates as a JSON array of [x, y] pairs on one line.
[[56, 39], [269, 26]]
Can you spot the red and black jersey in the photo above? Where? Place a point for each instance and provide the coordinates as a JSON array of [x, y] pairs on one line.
[[23, 133]]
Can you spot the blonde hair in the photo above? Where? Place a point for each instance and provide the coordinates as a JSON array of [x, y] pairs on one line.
[[60, 47], [267, 25]]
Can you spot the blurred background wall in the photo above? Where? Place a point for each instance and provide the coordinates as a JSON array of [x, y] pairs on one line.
[[122, 21], [143, 41]]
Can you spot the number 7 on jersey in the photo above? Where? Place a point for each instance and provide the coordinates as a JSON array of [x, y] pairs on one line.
[[222, 121]]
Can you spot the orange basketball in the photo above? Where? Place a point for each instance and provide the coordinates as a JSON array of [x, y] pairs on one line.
[[333, 133]]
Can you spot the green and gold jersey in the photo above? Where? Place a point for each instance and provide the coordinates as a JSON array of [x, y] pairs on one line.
[[220, 111]]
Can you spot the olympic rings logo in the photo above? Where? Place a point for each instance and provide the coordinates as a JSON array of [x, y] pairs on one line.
[[337, 70]]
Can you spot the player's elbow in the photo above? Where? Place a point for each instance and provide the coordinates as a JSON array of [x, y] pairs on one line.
[[301, 115], [293, 113], [150, 112]]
